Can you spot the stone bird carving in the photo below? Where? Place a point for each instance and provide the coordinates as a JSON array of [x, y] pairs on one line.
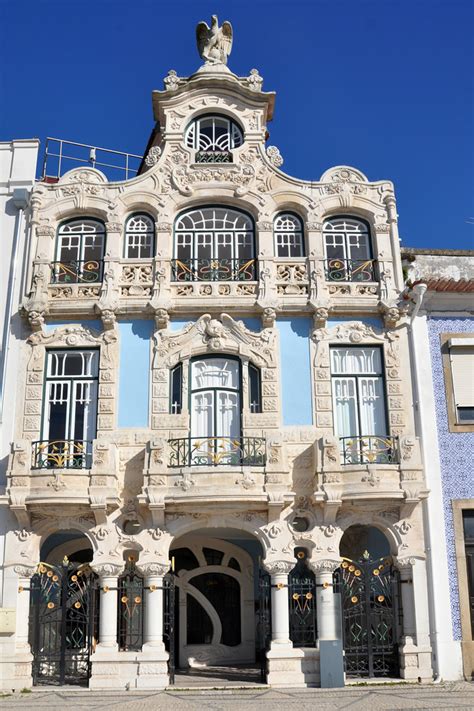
[[214, 42]]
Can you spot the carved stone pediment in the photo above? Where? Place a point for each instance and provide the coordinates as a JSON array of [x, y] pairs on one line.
[[209, 334]]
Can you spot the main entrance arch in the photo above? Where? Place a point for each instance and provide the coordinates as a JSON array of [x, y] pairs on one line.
[[219, 607]]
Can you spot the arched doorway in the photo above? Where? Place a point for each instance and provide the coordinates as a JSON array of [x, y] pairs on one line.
[[63, 611], [221, 619], [371, 613]]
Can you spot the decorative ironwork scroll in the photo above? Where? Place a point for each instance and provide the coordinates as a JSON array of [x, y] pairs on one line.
[[214, 451], [264, 622], [302, 602], [62, 454], [130, 609], [77, 271], [371, 617], [369, 450], [169, 622], [350, 270], [213, 269], [63, 627]]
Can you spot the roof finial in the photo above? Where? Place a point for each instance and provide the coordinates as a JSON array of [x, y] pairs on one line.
[[214, 42]]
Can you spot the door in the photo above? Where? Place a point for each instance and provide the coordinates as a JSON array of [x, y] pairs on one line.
[[215, 411], [371, 617], [62, 623]]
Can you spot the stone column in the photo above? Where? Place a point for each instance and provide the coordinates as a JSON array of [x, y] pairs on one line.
[[22, 658], [285, 667], [25, 573], [153, 604], [153, 660], [415, 648], [327, 612], [108, 574]]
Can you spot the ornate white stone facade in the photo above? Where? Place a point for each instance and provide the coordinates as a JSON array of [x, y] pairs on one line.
[[130, 477]]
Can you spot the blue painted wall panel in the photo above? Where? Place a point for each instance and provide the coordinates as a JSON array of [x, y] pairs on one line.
[[95, 324], [295, 370], [134, 373], [374, 321]]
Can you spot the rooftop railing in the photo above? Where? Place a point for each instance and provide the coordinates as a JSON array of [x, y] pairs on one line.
[[61, 156]]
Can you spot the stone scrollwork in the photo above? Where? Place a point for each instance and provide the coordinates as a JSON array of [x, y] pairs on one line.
[[254, 80], [107, 569], [212, 334], [327, 565], [24, 570], [153, 568], [278, 567], [153, 155]]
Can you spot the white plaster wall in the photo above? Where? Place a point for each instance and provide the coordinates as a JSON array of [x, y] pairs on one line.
[[447, 651]]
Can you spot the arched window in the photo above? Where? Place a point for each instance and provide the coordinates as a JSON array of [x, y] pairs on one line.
[[139, 237], [348, 250], [214, 137], [79, 251], [215, 403], [214, 244], [289, 235]]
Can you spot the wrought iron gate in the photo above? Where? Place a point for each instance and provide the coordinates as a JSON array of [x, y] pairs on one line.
[[62, 622], [371, 617], [302, 603], [169, 621], [264, 622]]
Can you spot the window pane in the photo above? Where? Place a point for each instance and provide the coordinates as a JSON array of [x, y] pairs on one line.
[[215, 373], [353, 361], [254, 389], [372, 407], [344, 393]]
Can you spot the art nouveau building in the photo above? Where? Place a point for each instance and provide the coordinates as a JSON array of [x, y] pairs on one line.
[[215, 377]]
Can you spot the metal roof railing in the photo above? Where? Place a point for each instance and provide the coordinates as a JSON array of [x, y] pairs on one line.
[[61, 156]]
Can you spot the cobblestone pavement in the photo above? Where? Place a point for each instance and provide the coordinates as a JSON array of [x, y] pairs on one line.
[[453, 695]]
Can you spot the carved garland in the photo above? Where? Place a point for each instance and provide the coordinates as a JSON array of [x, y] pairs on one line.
[[70, 337]]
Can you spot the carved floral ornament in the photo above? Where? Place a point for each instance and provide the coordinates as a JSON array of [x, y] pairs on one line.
[[72, 336], [210, 334]]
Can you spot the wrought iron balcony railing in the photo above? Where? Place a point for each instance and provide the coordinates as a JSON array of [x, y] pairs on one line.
[[77, 272], [369, 450], [215, 451], [62, 454], [350, 270], [213, 157], [214, 269]]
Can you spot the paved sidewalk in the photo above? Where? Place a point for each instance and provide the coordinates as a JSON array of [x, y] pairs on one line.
[[453, 695]]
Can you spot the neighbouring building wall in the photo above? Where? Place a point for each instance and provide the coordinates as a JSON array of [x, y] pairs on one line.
[[455, 452]]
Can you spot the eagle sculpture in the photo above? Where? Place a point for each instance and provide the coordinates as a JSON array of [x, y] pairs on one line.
[[214, 42]]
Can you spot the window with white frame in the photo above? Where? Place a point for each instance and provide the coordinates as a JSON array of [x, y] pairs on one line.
[[70, 408], [289, 235], [360, 417], [214, 244], [79, 251], [213, 134], [139, 237], [461, 360], [348, 250]]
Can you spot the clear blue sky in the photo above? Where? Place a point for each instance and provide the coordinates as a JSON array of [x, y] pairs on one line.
[[382, 85]]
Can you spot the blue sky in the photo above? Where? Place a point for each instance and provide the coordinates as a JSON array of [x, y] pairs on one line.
[[385, 86]]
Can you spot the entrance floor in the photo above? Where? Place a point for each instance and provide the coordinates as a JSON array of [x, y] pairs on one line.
[[215, 676]]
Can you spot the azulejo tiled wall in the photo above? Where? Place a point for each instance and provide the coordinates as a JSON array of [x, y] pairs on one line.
[[455, 452]]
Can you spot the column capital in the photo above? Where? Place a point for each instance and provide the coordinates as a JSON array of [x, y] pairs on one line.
[[107, 570], [279, 567], [153, 569], [25, 570], [327, 565]]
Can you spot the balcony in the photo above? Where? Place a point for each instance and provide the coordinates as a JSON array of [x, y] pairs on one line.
[[213, 157], [217, 451], [77, 272], [61, 454], [369, 450], [353, 270], [185, 270]]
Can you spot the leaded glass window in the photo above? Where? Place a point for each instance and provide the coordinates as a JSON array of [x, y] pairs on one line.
[[79, 251], [348, 250], [289, 236], [214, 244], [213, 133], [139, 237]]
